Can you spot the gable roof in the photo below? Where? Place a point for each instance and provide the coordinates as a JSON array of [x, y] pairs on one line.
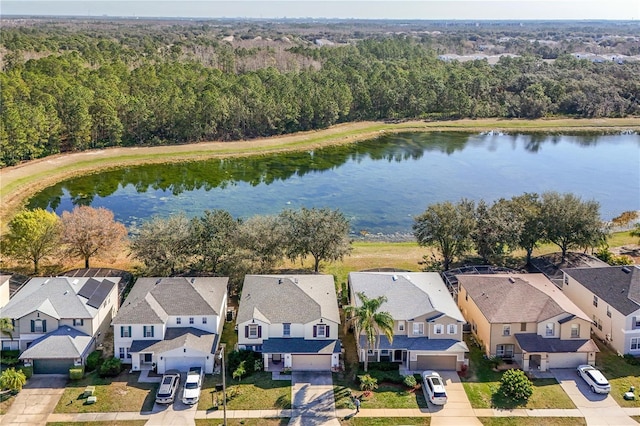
[[178, 337], [619, 286], [153, 300], [409, 294], [288, 299], [509, 298], [60, 297], [64, 342]]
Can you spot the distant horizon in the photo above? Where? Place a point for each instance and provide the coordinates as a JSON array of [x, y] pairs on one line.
[[393, 10]]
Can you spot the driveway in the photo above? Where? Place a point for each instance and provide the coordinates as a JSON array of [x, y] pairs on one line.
[[36, 400], [312, 399], [457, 410], [597, 409], [177, 413]]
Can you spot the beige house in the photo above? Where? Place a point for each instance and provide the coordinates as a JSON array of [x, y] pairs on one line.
[[427, 323], [525, 318], [610, 296]]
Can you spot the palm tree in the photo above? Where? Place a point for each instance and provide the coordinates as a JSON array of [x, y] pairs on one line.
[[6, 327], [367, 319]]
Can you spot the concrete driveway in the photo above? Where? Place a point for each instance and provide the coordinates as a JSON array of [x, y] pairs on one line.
[[36, 401], [312, 399], [597, 409], [457, 410], [177, 413]]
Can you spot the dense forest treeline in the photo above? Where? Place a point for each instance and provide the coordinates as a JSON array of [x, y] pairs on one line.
[[104, 91]]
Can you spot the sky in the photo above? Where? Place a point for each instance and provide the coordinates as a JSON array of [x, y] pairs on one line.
[[356, 9]]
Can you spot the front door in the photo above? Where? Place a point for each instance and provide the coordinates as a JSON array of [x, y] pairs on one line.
[[148, 358]]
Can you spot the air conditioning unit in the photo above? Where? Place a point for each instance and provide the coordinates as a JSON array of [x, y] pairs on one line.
[[608, 337]]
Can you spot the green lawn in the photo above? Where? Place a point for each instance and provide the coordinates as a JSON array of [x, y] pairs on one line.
[[636, 418], [256, 392], [532, 421], [386, 421], [5, 402], [481, 382], [121, 393], [388, 395], [620, 374]]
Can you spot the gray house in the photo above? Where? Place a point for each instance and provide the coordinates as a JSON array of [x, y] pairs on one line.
[[57, 320], [427, 323], [171, 323], [293, 320]]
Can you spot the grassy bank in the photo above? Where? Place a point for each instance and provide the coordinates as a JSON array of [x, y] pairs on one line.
[[22, 181]]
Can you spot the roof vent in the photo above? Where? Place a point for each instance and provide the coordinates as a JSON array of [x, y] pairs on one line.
[[511, 280], [394, 277], [66, 292], [279, 280], [158, 282], [75, 281], [193, 280], [626, 270]]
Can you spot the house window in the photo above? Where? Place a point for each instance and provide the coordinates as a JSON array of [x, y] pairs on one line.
[[191, 320], [523, 326], [400, 325], [608, 311], [566, 279], [418, 328], [9, 345], [122, 353], [550, 329], [204, 320], [595, 301], [466, 295], [125, 331], [635, 343], [438, 329], [504, 351], [286, 329], [575, 330], [506, 330], [636, 322], [599, 325], [78, 322], [147, 331], [253, 331], [321, 332], [178, 320], [452, 329], [38, 326]]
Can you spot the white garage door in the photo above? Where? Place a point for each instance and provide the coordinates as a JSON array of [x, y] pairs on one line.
[[567, 360], [183, 363], [311, 362]]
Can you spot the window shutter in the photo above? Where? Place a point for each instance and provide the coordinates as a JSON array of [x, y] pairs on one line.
[[152, 331], [44, 326], [633, 323], [246, 331], [259, 331], [144, 331], [122, 331], [33, 326], [315, 331], [326, 331], [130, 332]]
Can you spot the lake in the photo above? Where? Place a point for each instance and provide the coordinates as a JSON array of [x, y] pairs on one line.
[[379, 184]]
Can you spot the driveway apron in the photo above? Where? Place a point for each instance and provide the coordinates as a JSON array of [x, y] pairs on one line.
[[35, 401], [177, 413], [597, 409], [457, 411], [312, 399]]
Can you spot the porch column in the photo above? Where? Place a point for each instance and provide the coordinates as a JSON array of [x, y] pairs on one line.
[[265, 361]]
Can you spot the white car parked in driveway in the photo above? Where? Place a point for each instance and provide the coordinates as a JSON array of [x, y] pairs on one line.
[[434, 388], [192, 386], [594, 378]]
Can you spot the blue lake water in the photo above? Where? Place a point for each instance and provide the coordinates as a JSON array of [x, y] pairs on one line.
[[380, 184]]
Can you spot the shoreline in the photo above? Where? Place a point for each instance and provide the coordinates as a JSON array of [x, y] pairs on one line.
[[18, 183]]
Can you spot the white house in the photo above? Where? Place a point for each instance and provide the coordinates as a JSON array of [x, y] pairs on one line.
[[171, 323], [293, 320]]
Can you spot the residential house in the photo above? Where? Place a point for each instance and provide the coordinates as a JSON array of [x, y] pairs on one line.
[[610, 296], [427, 331], [57, 320], [525, 318], [292, 320], [171, 323]]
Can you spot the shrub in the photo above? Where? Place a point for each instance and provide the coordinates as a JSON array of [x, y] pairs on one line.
[[27, 371], [410, 381], [252, 361], [7, 354], [12, 379], [10, 361], [93, 360], [631, 360], [76, 373], [240, 371], [368, 383], [515, 385], [110, 368], [382, 366]]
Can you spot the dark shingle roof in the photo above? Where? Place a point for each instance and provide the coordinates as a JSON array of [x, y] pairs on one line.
[[152, 300], [419, 344], [301, 346], [619, 286], [532, 342]]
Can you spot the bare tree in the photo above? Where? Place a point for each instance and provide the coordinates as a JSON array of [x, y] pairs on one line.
[[89, 232]]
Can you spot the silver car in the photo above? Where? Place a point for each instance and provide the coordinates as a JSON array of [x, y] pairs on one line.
[[594, 378], [168, 387]]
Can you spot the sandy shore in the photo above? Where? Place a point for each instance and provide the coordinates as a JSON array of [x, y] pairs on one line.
[[18, 183]]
